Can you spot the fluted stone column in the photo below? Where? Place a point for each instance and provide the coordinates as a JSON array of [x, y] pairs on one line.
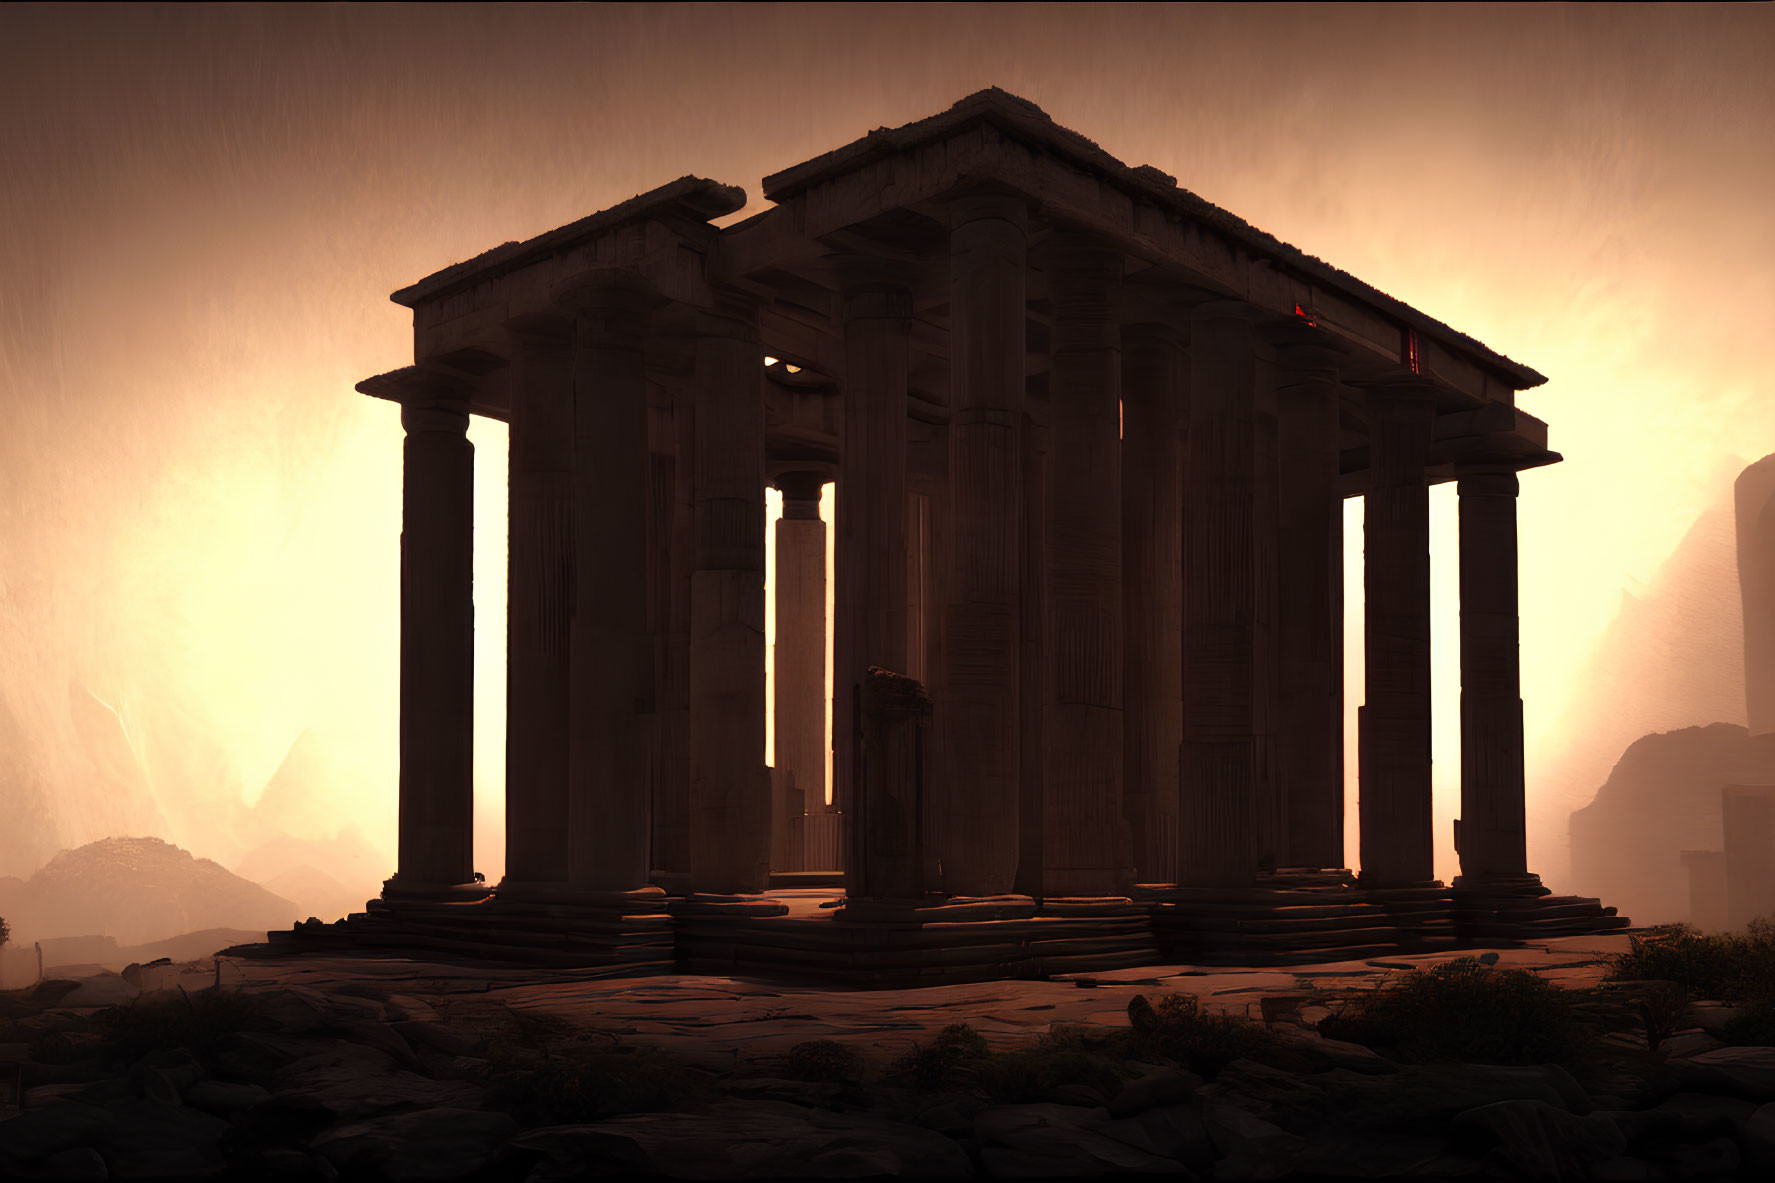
[[1152, 596], [1086, 844], [800, 700], [1229, 603], [1035, 698], [540, 603], [729, 781], [1396, 828], [671, 805], [981, 635], [436, 844], [1310, 585], [1493, 844], [611, 655], [871, 547]]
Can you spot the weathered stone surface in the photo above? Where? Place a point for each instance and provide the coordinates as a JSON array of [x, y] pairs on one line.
[[1055, 1152], [38, 1132], [1170, 1131], [1335, 1053], [83, 1162], [1747, 1072], [425, 1144], [1624, 1169], [1541, 1141], [753, 1140], [1357, 1155], [1758, 1138], [105, 989], [1166, 1086], [1687, 1116], [154, 1141], [353, 1081], [1715, 1159], [1250, 1147]]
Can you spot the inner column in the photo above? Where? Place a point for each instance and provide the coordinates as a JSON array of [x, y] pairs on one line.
[[800, 663], [872, 537], [1311, 619], [539, 604], [611, 654], [1086, 849], [980, 787], [729, 781], [1225, 756], [1396, 825], [436, 844], [1152, 703]]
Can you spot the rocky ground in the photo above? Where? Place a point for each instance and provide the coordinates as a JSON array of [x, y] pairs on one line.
[[390, 1069]]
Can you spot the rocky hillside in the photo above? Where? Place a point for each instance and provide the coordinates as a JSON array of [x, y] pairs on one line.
[[139, 890]]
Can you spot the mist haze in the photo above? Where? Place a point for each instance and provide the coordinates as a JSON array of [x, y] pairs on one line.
[[202, 211]]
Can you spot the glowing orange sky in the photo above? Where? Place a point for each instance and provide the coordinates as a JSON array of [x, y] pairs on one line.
[[202, 211]]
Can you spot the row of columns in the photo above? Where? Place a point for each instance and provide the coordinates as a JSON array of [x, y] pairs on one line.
[[1137, 627]]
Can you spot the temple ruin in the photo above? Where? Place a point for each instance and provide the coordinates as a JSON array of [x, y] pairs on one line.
[[1089, 438]]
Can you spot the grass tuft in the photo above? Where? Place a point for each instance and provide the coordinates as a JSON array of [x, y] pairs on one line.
[[199, 1022]]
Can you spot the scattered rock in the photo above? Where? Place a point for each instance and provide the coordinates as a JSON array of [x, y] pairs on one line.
[[154, 1141], [426, 1144], [1624, 1169], [68, 1125], [222, 1096], [438, 1037], [1250, 1147], [1356, 1155], [1541, 1141], [1747, 1072], [1049, 1152], [1325, 1053], [1758, 1138], [751, 1140], [1718, 1158], [407, 1008], [1168, 1131], [82, 1162], [1688, 1043], [1166, 1086]]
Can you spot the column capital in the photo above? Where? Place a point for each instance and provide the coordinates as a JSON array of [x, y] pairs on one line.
[[990, 202], [432, 400], [734, 316], [799, 485], [1304, 361], [1481, 479]]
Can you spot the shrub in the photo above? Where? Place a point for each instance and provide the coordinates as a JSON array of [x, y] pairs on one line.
[[1063, 1056], [549, 1071], [823, 1061], [1179, 1029], [1464, 1010], [952, 1058], [1734, 966]]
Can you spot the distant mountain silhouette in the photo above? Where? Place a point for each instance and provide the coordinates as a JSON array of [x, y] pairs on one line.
[[140, 890]]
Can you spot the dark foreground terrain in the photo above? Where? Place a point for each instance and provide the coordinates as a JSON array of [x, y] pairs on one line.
[[1593, 1058]]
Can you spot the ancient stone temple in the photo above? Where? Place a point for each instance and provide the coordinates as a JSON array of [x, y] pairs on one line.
[[1089, 438]]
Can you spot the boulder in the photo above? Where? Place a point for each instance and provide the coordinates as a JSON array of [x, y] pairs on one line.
[[1715, 1159], [82, 1162], [225, 1097], [35, 1133], [154, 1141], [1758, 1138], [1356, 1155], [1536, 1140], [748, 1140], [1069, 1152], [1624, 1169], [1165, 1086], [1249, 1146], [105, 989], [1169, 1131], [1747, 1072], [423, 1144]]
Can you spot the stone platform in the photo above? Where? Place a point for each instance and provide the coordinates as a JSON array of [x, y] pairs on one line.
[[821, 936], [815, 934], [621, 933]]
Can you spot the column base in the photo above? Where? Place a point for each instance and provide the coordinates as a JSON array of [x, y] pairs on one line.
[[399, 890], [1513, 909], [639, 900]]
